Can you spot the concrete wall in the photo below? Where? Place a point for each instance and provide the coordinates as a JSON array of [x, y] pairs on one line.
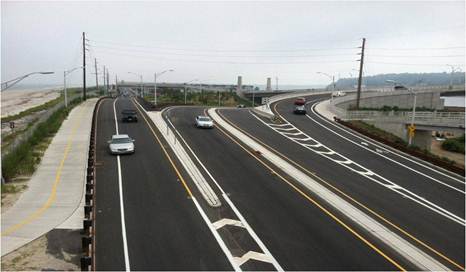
[[422, 138], [401, 99]]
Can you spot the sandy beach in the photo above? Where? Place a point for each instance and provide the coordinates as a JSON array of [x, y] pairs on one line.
[[16, 101]]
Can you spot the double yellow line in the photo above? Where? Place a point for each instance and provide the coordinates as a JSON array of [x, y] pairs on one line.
[[178, 173], [326, 211], [430, 248]]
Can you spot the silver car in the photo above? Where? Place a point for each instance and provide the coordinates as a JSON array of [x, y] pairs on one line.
[[121, 144], [204, 122]]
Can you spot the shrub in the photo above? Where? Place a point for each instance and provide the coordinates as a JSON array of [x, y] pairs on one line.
[[454, 144]]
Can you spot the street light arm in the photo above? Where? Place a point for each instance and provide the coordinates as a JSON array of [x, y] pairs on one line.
[[325, 74], [71, 70], [5, 85]]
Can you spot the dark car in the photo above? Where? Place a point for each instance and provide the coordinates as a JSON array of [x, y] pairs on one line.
[[129, 116], [300, 101], [300, 110]]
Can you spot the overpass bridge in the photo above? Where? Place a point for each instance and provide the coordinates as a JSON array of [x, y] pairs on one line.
[[397, 122]]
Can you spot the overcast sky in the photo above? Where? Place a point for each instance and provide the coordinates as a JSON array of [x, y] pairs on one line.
[[217, 41]]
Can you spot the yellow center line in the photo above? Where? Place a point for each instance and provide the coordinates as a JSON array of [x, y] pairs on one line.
[[355, 233], [52, 196], [424, 244], [183, 182]]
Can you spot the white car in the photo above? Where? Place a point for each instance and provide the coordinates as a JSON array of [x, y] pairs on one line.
[[338, 93], [204, 122], [121, 144]]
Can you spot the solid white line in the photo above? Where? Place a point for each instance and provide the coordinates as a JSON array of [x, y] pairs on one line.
[[204, 216], [418, 199], [403, 156], [217, 237], [253, 234], [227, 199], [122, 207], [379, 154]]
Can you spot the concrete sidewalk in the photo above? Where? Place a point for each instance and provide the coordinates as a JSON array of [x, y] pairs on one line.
[[323, 108], [55, 191]]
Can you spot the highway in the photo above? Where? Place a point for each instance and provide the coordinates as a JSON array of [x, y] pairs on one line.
[[419, 219], [152, 215], [164, 230]]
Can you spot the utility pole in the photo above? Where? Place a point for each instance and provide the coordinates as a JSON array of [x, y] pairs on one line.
[[84, 65], [361, 63], [96, 75], [108, 80], [276, 83]]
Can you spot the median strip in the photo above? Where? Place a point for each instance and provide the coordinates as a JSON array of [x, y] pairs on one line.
[[398, 244]]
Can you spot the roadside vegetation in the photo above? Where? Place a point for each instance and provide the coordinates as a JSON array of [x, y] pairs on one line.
[[45, 106], [205, 98], [398, 143], [454, 144], [24, 159]]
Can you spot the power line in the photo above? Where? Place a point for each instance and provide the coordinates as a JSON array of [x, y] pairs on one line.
[[420, 48], [225, 56], [224, 50], [222, 62], [413, 56], [413, 64]]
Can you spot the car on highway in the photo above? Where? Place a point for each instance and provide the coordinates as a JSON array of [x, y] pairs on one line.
[[129, 116], [121, 144], [300, 101], [300, 109], [204, 122], [338, 93]]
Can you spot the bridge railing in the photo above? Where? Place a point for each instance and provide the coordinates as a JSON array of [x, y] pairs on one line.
[[450, 119]]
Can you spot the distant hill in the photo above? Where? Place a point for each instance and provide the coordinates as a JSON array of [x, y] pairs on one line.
[[406, 79]]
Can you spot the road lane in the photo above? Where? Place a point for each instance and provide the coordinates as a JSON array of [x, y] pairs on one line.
[[440, 232], [297, 233], [164, 229], [108, 236], [437, 193]]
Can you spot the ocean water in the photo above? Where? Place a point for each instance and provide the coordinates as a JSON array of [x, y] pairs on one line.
[[454, 101]]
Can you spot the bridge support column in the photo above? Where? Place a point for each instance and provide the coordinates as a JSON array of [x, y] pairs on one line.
[[423, 139]]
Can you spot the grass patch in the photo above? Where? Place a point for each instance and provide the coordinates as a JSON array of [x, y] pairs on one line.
[[205, 98], [24, 159], [454, 144], [12, 188]]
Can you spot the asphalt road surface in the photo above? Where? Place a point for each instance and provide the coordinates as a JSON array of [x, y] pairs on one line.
[[418, 220], [298, 234], [164, 230], [151, 215]]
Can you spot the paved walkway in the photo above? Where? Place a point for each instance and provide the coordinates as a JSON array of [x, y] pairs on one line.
[[324, 109], [56, 189]]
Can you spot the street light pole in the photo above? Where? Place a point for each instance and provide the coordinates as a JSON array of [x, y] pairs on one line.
[[332, 77], [185, 88], [155, 83], [65, 73]]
